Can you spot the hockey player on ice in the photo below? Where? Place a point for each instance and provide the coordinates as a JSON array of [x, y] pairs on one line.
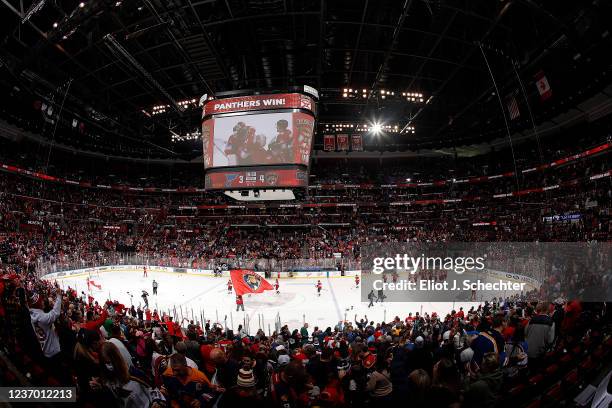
[[319, 286], [239, 303], [229, 286], [276, 286]]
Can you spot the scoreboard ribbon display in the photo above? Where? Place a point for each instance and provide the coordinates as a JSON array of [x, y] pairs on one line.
[[256, 178]]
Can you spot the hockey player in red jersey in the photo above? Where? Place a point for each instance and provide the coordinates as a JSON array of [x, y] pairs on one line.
[[319, 286], [235, 143], [276, 286], [281, 146], [144, 272], [229, 286], [239, 303]]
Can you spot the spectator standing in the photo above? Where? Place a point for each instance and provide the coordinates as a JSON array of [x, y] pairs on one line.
[[379, 384], [482, 389], [540, 335]]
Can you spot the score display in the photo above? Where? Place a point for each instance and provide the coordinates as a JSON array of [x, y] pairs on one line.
[[258, 141], [256, 178]]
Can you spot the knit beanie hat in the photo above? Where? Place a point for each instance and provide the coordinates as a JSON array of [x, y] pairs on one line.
[[245, 378]]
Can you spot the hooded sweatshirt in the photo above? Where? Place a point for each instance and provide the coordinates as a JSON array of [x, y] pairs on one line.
[[43, 327]]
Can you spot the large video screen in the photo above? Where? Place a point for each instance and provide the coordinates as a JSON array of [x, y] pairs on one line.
[[257, 139]]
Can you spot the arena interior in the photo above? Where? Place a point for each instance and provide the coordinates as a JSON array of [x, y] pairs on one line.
[[207, 203]]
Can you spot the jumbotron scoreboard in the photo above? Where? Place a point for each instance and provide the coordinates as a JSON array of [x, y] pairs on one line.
[[258, 142]]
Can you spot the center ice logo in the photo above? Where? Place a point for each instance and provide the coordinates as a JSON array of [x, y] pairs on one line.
[[252, 280]]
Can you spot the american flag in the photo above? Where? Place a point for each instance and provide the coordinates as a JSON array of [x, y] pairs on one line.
[[513, 109]]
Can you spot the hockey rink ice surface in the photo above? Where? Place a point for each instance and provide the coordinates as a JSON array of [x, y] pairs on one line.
[[208, 295]]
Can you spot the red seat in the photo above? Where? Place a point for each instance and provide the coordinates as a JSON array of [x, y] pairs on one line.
[[571, 378], [515, 391], [535, 404], [536, 379], [555, 393], [566, 359], [587, 365], [600, 352], [552, 369]]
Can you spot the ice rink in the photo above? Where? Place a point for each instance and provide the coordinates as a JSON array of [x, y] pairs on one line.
[[207, 296]]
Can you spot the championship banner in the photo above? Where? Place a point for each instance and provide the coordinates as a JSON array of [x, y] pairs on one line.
[[259, 102], [357, 143], [329, 143], [343, 142], [246, 281]]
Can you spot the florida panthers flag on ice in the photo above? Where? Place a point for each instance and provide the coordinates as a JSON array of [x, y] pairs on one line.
[[246, 281]]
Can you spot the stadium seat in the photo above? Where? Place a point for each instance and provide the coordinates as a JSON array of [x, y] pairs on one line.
[[551, 370], [517, 390], [553, 396], [535, 404], [536, 380], [571, 378], [600, 353]]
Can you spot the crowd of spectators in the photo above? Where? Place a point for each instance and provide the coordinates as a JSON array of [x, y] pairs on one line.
[[127, 357], [45, 222]]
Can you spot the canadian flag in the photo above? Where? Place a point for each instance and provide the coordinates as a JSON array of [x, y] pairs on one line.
[[246, 281], [543, 86]]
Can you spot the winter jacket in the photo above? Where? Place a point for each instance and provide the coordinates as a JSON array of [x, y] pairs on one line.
[[483, 391], [540, 334]]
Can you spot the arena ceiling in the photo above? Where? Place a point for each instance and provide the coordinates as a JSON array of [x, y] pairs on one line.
[[115, 61]]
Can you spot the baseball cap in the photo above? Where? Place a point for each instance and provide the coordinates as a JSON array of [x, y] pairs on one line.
[[466, 355], [283, 359]]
